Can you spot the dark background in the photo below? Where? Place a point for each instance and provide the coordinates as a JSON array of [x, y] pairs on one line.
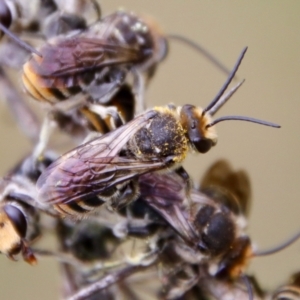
[[271, 92]]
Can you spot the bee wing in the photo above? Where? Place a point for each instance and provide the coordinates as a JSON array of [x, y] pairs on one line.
[[237, 183], [165, 193], [79, 54], [95, 166]]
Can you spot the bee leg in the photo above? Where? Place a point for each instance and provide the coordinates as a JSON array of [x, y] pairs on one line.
[[142, 259], [138, 258], [70, 104], [138, 90], [106, 85], [110, 120], [91, 136], [105, 282], [109, 113], [128, 193], [97, 9], [27, 254], [46, 130], [180, 283], [187, 180], [59, 23]]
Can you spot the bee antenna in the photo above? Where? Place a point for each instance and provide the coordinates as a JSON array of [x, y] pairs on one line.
[[200, 49], [248, 285], [225, 98], [242, 118], [278, 248], [19, 41], [98, 10], [226, 84]]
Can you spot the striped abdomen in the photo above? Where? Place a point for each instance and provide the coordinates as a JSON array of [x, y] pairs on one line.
[[117, 196], [52, 89]]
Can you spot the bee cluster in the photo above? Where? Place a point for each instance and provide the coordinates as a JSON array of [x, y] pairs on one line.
[[128, 220]]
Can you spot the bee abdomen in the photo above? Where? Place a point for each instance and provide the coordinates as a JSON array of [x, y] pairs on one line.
[[50, 89], [79, 208]]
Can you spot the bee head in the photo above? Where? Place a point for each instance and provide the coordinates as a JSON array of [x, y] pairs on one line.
[[195, 122], [216, 229], [13, 227], [198, 122]]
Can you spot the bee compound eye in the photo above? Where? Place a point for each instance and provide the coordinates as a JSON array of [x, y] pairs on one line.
[[5, 14], [17, 218], [202, 145], [203, 216]]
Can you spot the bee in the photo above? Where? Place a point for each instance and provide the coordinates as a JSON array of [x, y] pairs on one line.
[[121, 42], [112, 47], [89, 243], [19, 216], [181, 268], [210, 230], [107, 167], [106, 244]]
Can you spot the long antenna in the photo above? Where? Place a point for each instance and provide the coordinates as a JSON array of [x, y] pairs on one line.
[[278, 248], [242, 118], [200, 49], [19, 41], [226, 84], [225, 98]]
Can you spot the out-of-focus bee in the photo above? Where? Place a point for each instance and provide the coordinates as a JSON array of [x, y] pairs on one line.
[[95, 61], [120, 43], [110, 243], [15, 215], [290, 291], [212, 288], [106, 168], [210, 230], [89, 243], [19, 215], [182, 264], [37, 19]]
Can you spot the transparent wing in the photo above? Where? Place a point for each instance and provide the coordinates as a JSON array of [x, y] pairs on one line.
[[79, 54], [95, 166], [221, 175], [165, 193]]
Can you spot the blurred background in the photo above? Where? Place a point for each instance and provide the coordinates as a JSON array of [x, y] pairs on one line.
[[271, 30]]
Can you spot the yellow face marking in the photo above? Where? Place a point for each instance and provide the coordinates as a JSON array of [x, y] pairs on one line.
[[9, 237], [210, 132]]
